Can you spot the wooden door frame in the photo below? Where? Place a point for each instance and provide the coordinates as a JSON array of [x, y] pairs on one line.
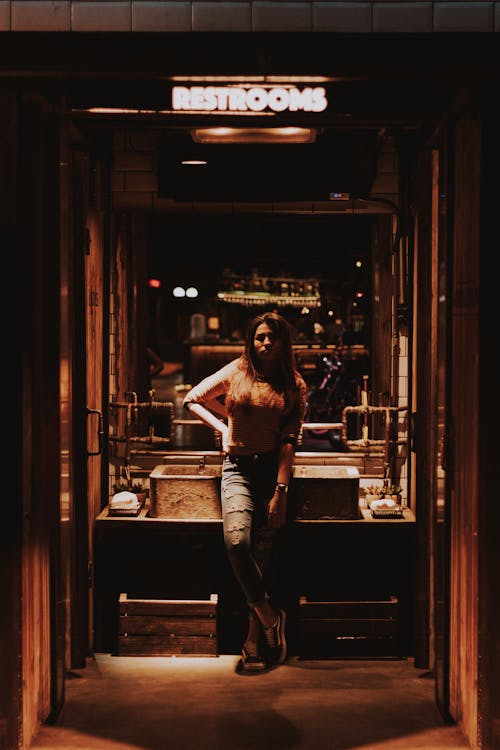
[[80, 570]]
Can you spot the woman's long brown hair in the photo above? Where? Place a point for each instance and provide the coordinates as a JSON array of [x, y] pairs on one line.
[[283, 381]]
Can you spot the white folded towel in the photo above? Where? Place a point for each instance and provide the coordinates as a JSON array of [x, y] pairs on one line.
[[124, 500], [384, 502]]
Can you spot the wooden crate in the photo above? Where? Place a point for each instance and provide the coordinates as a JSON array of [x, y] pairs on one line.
[[168, 627], [349, 629]]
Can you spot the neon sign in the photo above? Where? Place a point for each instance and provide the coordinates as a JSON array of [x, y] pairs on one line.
[[248, 99]]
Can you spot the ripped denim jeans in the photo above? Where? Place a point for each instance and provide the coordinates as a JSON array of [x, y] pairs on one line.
[[247, 486]]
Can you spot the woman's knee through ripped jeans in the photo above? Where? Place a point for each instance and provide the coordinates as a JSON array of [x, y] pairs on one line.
[[247, 486]]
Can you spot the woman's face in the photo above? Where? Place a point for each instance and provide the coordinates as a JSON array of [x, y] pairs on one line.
[[266, 344]]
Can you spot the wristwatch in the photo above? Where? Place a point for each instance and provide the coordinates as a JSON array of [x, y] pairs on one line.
[[282, 487]]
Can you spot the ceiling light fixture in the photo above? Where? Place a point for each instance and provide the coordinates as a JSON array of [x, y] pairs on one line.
[[242, 80], [254, 135]]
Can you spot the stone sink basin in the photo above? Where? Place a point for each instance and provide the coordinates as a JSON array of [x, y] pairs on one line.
[[325, 492], [192, 491], [183, 491]]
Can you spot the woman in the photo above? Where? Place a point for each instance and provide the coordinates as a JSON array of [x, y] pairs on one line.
[[265, 399]]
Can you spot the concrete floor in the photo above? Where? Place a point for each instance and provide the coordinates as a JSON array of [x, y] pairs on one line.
[[158, 703]]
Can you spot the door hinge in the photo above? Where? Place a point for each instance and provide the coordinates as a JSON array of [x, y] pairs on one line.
[[90, 575]]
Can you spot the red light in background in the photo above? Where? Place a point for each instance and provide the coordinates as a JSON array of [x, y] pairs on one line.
[[154, 283], [359, 295]]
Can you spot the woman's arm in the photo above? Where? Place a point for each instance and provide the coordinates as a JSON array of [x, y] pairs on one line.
[[203, 400], [211, 420], [276, 510], [285, 465]]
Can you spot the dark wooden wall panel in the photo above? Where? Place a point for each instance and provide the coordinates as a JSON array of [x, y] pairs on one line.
[[11, 526], [465, 437], [8, 159], [489, 419], [39, 236]]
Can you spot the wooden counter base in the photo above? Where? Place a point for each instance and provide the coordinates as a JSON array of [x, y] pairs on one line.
[[323, 560]]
